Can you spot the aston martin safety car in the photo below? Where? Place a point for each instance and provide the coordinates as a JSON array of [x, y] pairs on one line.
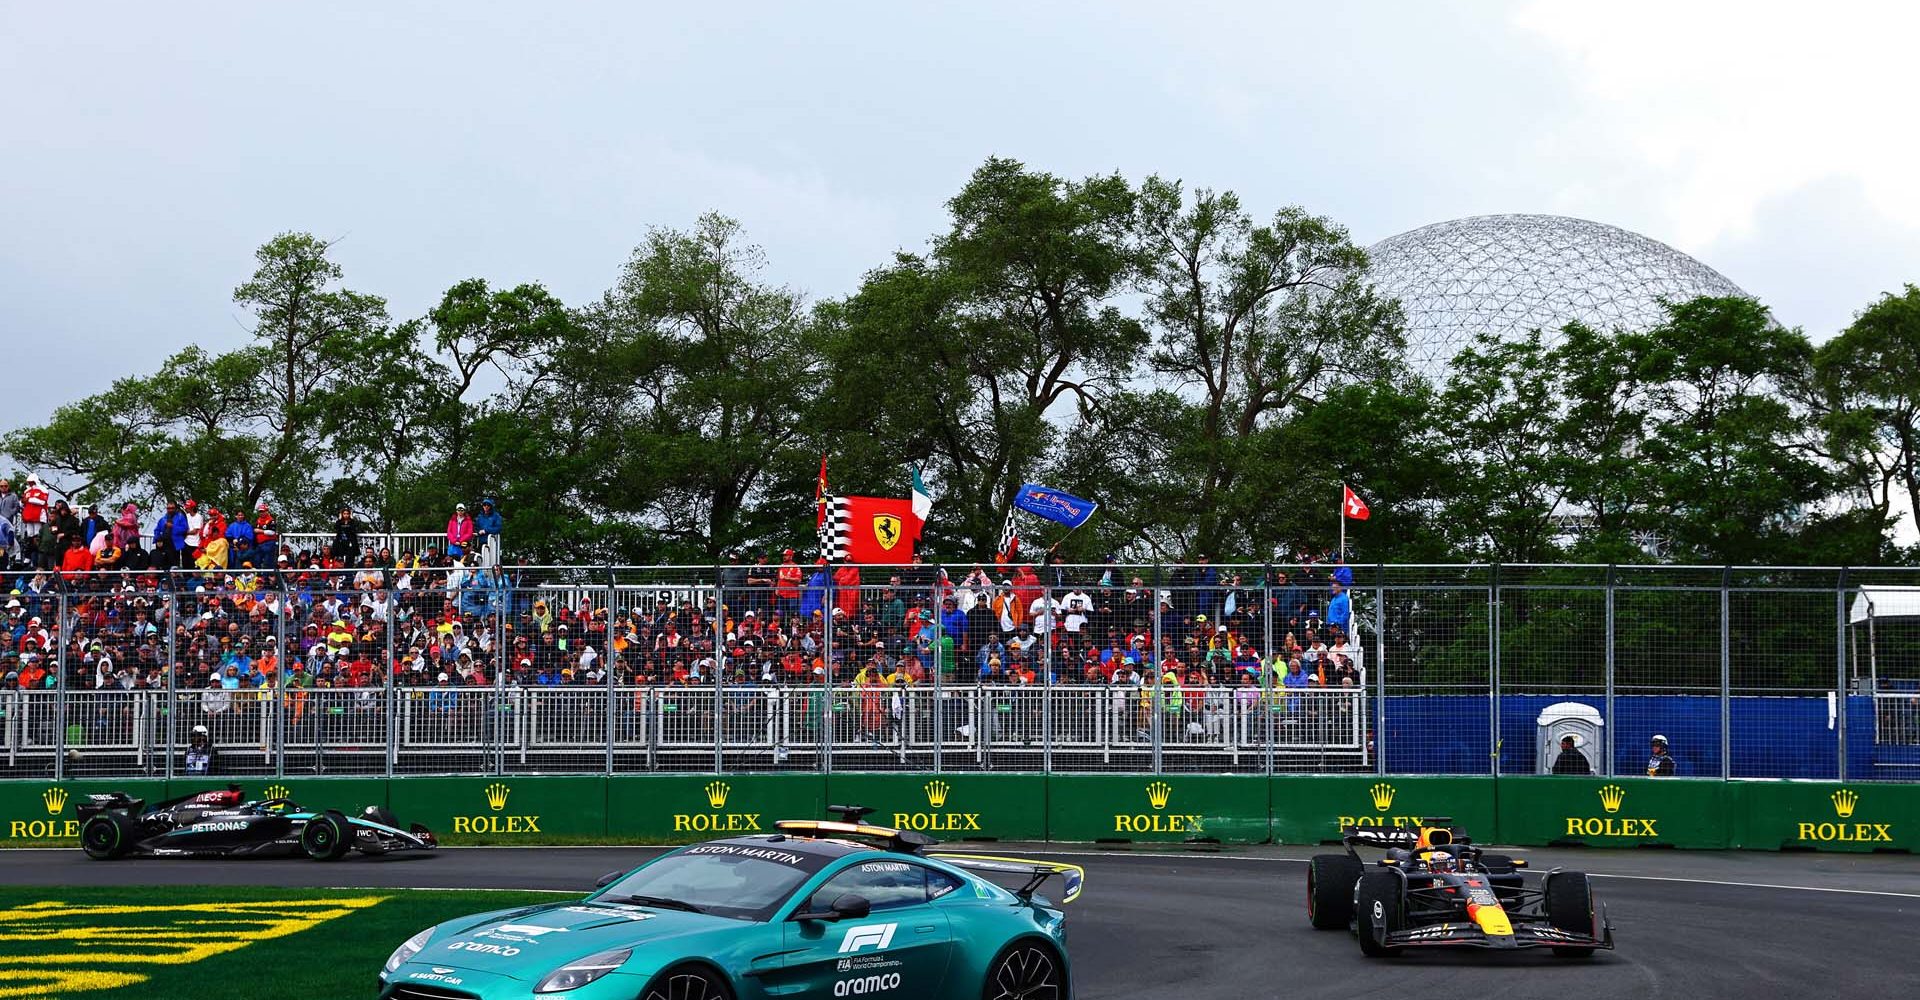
[[224, 823], [1434, 888], [817, 909]]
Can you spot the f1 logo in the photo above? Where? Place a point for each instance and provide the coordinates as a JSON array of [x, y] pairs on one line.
[[877, 936]]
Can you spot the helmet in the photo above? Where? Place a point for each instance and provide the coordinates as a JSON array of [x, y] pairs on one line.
[[1660, 740], [199, 730], [1440, 861]]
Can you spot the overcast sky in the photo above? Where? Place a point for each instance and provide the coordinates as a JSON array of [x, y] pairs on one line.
[[148, 149]]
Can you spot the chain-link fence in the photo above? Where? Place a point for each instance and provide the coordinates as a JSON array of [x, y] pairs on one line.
[[1691, 671]]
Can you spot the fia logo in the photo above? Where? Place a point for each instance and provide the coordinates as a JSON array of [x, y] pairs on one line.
[[876, 936]]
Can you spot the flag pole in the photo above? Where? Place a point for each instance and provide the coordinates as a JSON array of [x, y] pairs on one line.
[[1343, 521]]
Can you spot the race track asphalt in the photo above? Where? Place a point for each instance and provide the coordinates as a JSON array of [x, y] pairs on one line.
[[1232, 925]]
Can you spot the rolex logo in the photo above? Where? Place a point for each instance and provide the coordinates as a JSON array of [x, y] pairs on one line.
[[1611, 796], [1843, 802], [497, 796], [1382, 796], [937, 791], [717, 794], [56, 800], [279, 792], [1158, 793]]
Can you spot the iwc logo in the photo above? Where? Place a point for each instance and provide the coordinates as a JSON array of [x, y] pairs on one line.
[[1382, 796], [938, 820], [55, 800], [715, 819], [492, 822], [1159, 794], [1845, 801], [1612, 797]]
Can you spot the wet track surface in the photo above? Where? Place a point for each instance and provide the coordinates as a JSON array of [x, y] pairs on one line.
[[1233, 924]]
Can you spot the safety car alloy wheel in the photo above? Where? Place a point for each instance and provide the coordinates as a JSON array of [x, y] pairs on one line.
[[1025, 972], [685, 984]]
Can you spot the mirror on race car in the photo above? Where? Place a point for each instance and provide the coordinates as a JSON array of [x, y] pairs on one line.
[[608, 879]]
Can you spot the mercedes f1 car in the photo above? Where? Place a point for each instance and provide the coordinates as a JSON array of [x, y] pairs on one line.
[[223, 823], [818, 909], [1434, 888]]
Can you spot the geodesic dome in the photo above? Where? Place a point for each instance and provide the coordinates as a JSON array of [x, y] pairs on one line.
[[1509, 274]]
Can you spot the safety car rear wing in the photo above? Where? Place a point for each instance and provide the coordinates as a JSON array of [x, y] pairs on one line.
[[885, 837], [1036, 871]]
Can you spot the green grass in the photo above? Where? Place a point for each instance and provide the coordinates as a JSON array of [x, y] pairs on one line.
[[215, 942]]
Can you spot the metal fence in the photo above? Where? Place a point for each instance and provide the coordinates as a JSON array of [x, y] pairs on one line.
[[1746, 672]]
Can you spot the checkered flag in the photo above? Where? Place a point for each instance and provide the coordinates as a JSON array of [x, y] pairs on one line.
[[1009, 537], [836, 529]]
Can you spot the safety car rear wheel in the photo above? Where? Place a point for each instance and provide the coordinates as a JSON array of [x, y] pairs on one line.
[[327, 837], [1330, 881], [1570, 908], [1378, 904], [686, 982], [1026, 970], [106, 836]]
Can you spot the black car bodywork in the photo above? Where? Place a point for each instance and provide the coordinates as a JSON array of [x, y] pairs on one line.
[[1434, 888], [223, 823]]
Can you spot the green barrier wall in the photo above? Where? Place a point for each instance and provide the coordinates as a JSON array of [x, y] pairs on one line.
[[43, 810], [950, 806], [502, 810], [670, 808], [1143, 808], [1312, 809], [1157, 808], [1612, 812], [1770, 815]]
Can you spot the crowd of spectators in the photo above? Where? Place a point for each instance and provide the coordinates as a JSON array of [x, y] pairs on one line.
[[242, 621]]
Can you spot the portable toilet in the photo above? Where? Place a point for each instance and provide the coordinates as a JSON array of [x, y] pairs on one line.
[[1569, 718]]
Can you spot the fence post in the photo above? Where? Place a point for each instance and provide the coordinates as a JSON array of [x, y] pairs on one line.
[[60, 694], [1158, 716], [940, 721], [277, 687], [828, 721], [1379, 672], [1609, 724], [1266, 657], [1046, 667], [1726, 672], [611, 665], [1493, 667], [173, 667], [1840, 671], [392, 693]]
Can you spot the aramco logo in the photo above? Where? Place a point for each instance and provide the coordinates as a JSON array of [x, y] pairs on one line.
[[1612, 797], [715, 820], [496, 795], [1159, 796], [1381, 795], [1845, 801], [937, 820]]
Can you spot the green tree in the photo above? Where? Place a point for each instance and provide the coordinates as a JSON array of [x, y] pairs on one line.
[[1868, 379]]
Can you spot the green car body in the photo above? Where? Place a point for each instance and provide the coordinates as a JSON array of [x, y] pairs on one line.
[[788, 925]]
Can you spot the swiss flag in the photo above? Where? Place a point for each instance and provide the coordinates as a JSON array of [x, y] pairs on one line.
[[1352, 506]]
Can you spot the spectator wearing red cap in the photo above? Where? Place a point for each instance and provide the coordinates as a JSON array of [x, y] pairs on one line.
[[33, 516], [786, 588], [266, 536], [196, 525]]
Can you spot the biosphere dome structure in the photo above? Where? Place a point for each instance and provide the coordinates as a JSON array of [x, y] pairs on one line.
[[1509, 274]]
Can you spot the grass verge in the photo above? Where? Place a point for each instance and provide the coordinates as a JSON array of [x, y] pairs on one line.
[[215, 942]]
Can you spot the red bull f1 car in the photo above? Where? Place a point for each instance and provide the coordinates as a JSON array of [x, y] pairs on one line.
[[223, 823], [1435, 889]]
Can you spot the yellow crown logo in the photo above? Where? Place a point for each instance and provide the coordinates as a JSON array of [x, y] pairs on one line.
[[1611, 796], [1382, 796], [279, 792], [937, 792], [1158, 793], [56, 800], [497, 796], [717, 794], [1843, 802]]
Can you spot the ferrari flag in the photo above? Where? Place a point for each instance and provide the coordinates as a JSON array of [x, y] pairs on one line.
[[1052, 504]]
